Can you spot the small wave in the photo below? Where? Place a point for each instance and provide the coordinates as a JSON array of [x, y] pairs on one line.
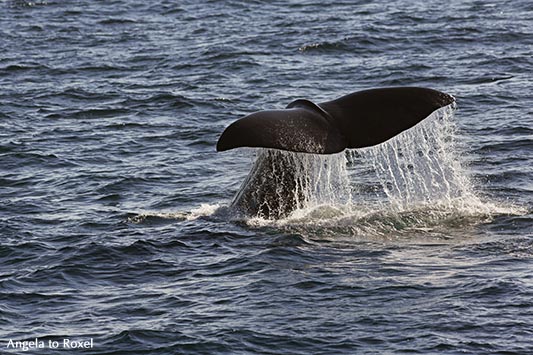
[[167, 99], [155, 217], [23, 3], [320, 46], [91, 113], [353, 43], [101, 67], [23, 67], [510, 145], [78, 94], [205, 210], [146, 341], [50, 160], [127, 125], [116, 21]]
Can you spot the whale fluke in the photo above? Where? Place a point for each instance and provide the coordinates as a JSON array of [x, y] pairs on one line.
[[361, 119], [275, 186]]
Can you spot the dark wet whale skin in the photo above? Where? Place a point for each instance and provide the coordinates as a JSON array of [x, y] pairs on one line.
[[356, 120]]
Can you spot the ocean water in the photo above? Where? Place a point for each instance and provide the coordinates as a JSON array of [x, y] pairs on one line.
[[115, 223]]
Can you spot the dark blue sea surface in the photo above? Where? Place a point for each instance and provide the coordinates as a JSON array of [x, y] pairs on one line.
[[115, 222]]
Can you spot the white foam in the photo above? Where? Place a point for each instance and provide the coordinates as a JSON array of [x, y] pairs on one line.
[[204, 210]]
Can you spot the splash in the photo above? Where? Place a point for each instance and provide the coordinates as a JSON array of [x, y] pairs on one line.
[[414, 181], [281, 182], [421, 166]]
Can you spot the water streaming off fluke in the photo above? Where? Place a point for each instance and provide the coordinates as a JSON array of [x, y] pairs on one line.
[[283, 181], [421, 165], [414, 180]]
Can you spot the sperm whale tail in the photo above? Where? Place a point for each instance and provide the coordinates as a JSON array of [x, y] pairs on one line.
[[361, 119], [276, 185]]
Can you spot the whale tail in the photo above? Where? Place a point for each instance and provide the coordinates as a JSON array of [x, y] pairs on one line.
[[361, 119]]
